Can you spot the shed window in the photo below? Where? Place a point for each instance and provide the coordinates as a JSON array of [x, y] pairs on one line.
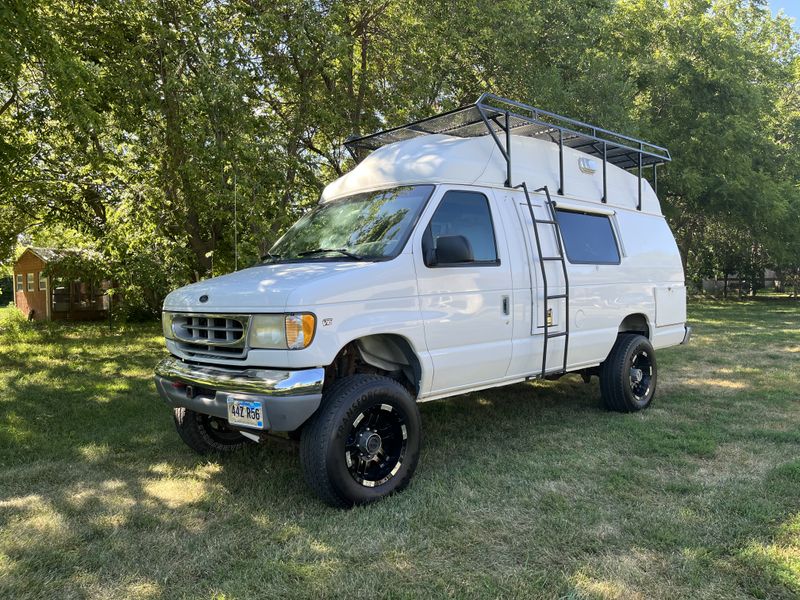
[[467, 215], [42, 282], [588, 238], [19, 282], [30, 282]]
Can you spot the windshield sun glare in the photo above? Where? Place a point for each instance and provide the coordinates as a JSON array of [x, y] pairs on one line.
[[371, 225]]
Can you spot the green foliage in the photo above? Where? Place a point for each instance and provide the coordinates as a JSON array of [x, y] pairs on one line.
[[718, 86], [181, 139]]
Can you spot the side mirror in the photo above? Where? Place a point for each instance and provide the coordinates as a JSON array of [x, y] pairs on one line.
[[453, 249]]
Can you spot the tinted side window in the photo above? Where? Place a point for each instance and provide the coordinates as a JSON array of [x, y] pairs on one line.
[[588, 238], [464, 214]]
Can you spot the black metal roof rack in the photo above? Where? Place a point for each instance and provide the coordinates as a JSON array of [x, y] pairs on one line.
[[493, 115]]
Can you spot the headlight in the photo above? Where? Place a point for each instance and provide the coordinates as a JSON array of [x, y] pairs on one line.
[[268, 331], [166, 325], [281, 332]]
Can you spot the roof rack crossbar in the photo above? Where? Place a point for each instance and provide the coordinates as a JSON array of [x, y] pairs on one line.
[[596, 131], [492, 114]]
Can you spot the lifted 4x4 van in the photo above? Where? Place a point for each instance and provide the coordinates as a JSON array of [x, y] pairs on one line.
[[482, 247]]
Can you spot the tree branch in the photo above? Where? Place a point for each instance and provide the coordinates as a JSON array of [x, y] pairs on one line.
[[7, 104]]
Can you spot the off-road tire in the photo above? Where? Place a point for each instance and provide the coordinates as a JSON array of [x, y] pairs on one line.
[[206, 435], [325, 436], [616, 383]]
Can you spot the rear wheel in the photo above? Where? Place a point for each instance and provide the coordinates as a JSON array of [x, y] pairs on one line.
[[363, 442], [205, 434], [629, 374]]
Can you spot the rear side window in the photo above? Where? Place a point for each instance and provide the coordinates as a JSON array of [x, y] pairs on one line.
[[465, 214], [588, 238]]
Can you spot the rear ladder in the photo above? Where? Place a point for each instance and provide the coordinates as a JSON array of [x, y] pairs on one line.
[[552, 221]]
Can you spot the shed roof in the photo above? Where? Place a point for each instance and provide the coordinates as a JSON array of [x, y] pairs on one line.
[[46, 254], [49, 255]]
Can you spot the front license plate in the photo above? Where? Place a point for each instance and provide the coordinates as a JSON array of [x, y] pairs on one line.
[[249, 413]]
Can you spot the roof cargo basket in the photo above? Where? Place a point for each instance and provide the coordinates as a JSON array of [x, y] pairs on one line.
[[500, 117]]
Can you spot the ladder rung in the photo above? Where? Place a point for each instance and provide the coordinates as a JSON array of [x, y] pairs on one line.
[[556, 296], [545, 222], [552, 258], [555, 335]]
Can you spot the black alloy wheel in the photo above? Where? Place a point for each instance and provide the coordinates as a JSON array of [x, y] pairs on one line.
[[376, 447], [641, 374], [628, 376]]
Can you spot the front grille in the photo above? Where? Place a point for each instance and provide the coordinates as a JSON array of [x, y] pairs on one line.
[[217, 336]]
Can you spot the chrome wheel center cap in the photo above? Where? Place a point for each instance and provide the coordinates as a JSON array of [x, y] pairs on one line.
[[369, 442], [636, 375]]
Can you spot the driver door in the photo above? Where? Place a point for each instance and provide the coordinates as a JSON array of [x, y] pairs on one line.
[[464, 283]]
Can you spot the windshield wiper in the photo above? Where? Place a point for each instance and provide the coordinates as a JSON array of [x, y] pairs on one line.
[[267, 256], [342, 251]]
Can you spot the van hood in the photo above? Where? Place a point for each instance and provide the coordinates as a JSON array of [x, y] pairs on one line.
[[263, 288]]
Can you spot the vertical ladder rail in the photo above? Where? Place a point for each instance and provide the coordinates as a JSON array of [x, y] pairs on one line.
[[553, 220], [534, 220], [561, 255]]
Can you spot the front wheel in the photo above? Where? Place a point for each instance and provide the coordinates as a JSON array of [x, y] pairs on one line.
[[363, 442], [629, 374], [205, 434]]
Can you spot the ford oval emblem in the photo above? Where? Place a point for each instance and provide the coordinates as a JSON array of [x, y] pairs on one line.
[[203, 298]]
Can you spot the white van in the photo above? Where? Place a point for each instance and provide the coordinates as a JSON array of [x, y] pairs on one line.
[[483, 247]]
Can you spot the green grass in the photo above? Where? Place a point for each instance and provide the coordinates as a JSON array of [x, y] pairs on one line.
[[527, 491]]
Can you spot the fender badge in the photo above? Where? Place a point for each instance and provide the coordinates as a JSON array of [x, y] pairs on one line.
[[203, 298], [327, 322]]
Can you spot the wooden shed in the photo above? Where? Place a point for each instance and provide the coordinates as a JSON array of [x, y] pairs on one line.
[[42, 294]]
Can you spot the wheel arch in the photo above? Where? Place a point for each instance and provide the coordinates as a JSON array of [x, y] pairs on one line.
[[389, 353], [636, 323]]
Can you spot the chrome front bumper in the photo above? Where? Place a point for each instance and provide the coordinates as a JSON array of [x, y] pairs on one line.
[[289, 397]]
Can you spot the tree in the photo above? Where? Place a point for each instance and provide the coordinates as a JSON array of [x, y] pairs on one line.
[[710, 75], [180, 139]]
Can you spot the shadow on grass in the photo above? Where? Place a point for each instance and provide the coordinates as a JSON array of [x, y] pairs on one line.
[[531, 490]]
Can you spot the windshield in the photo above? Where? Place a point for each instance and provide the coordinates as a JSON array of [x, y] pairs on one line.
[[371, 225]]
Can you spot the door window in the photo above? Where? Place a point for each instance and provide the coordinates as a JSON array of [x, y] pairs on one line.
[[463, 220]]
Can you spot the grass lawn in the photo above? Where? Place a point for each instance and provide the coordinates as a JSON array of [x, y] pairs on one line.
[[528, 491]]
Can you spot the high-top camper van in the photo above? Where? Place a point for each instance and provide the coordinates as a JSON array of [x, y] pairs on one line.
[[482, 247]]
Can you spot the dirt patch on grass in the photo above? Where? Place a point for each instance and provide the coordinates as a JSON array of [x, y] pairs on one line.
[[735, 461]]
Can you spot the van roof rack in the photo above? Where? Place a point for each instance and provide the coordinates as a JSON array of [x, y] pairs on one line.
[[497, 116]]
